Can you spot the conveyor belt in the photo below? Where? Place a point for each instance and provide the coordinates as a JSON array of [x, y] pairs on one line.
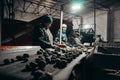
[[14, 70]]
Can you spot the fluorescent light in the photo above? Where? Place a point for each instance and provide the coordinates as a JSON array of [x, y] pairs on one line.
[[76, 7]]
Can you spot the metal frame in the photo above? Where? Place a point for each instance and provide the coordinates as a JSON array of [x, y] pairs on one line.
[[38, 6], [9, 6]]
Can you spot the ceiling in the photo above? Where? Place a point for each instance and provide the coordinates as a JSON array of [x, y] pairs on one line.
[[53, 7]]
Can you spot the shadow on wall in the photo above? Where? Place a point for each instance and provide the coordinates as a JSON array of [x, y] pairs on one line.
[[15, 32]]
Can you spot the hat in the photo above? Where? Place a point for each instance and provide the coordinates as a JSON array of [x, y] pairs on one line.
[[46, 19], [64, 25]]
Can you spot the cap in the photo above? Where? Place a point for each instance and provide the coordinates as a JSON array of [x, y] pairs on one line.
[[64, 25], [46, 18]]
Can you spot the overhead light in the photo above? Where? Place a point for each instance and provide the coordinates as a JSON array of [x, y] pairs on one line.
[[76, 6]]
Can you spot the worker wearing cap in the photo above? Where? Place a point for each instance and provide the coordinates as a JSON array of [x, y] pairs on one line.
[[64, 28], [64, 37], [41, 33]]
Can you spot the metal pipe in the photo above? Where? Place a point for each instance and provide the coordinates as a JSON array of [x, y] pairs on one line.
[[61, 21]]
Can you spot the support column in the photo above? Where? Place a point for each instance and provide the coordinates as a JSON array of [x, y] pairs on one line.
[[109, 25], [10, 5], [81, 24], [1, 17], [95, 16], [61, 22]]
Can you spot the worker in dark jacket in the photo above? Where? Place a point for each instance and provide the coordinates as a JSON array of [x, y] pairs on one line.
[[41, 33]]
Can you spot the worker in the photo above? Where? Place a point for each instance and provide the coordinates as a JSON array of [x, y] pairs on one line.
[[41, 33], [63, 36]]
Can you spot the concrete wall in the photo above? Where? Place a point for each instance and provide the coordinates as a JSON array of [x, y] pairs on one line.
[[101, 22], [76, 22]]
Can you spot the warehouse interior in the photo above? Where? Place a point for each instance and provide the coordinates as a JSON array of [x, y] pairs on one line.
[[26, 12], [90, 51]]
